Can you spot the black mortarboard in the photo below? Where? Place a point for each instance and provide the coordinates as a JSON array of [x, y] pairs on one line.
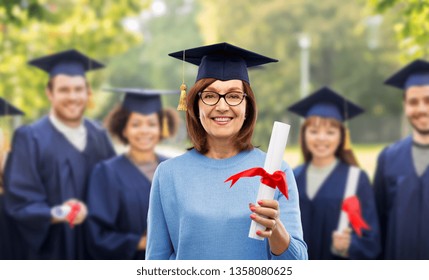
[[7, 109], [144, 101], [222, 61], [415, 73], [70, 62], [326, 103]]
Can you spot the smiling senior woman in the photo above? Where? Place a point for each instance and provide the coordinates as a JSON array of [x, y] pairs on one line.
[[193, 214]]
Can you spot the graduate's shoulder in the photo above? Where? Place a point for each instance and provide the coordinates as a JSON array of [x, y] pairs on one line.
[[396, 147], [299, 169], [34, 129], [346, 167], [112, 164], [110, 170], [94, 125]]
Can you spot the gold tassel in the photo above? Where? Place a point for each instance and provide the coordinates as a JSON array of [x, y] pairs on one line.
[[165, 130], [182, 101], [347, 141]]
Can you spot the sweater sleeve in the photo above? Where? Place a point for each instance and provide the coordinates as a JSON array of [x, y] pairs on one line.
[[159, 245], [290, 216]]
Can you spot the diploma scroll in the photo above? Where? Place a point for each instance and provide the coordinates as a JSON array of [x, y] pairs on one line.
[[351, 186], [273, 161]]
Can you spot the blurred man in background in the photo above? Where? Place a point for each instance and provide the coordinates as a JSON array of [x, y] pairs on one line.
[[47, 172], [402, 176]]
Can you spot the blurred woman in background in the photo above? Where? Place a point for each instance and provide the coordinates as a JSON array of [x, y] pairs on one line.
[[118, 197], [330, 181]]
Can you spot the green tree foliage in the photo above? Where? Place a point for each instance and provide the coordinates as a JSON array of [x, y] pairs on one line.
[[91, 26], [411, 24], [346, 54], [147, 65], [339, 56], [14, 10]]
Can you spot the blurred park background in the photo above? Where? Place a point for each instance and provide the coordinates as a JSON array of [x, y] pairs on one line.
[[350, 46]]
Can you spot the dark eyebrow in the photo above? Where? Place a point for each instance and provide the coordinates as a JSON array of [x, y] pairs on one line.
[[210, 88]]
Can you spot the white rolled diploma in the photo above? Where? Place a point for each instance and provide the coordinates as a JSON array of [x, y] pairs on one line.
[[351, 187], [273, 162]]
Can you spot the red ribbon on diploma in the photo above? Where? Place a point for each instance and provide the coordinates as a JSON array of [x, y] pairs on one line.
[[277, 179], [351, 206], [75, 209]]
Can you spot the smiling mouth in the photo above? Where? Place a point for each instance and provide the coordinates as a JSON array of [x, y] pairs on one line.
[[144, 139], [421, 119], [73, 105], [321, 147], [222, 119]]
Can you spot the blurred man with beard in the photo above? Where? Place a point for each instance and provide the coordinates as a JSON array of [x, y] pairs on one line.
[[401, 180], [46, 174]]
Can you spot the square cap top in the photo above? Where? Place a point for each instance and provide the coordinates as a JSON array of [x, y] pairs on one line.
[[143, 101], [69, 62], [415, 73], [7, 109], [326, 103], [222, 61]]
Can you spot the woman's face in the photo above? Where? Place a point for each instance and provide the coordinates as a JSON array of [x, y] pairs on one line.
[[322, 139], [143, 131], [222, 121]]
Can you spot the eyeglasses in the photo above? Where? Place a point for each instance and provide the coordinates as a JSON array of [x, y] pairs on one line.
[[232, 98]]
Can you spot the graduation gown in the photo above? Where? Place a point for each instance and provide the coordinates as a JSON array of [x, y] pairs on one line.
[[44, 170], [403, 203], [321, 214], [118, 202], [10, 243], [4, 232], [11, 247]]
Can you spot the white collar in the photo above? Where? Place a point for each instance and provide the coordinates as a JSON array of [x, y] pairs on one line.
[[75, 135], [323, 169], [65, 129]]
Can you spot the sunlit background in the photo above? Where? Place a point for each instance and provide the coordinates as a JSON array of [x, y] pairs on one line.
[[350, 46]]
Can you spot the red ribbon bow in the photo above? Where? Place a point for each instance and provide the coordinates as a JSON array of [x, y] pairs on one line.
[[351, 206], [75, 209], [277, 179]]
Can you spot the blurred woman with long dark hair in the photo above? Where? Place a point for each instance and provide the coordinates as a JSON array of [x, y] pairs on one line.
[[330, 182]]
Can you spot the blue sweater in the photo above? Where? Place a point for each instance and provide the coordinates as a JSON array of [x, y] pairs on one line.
[[193, 214]]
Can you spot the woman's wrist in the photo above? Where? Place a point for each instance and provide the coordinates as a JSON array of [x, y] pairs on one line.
[[279, 240]]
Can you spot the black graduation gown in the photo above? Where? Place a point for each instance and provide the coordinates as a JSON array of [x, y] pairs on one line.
[[118, 202], [320, 215], [44, 170], [403, 203]]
